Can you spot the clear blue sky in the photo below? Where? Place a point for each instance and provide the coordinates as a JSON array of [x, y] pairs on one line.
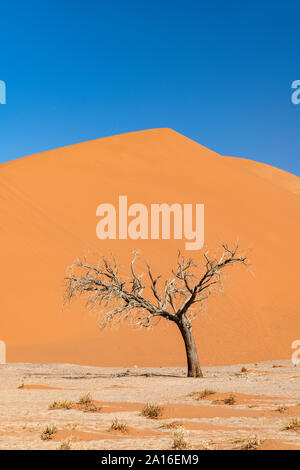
[[218, 72]]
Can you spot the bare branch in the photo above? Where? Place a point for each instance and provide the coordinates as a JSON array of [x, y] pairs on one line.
[[102, 286]]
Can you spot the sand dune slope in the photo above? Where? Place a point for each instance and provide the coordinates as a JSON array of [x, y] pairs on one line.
[[48, 204]]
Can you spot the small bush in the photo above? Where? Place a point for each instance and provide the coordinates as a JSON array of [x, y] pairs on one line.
[[48, 432], [292, 425], [251, 443], [65, 445], [61, 405], [281, 408], [203, 394], [87, 405], [171, 425], [207, 445], [116, 425], [244, 370], [152, 411], [85, 399], [180, 440], [71, 426], [230, 400], [91, 408]]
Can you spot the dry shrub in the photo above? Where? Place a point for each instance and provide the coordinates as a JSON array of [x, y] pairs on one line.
[[171, 425], [91, 408], [61, 405], [203, 394], [65, 445], [87, 405], [281, 408], [152, 411], [85, 399], [230, 400], [207, 445], [71, 426], [116, 425], [251, 443], [180, 439], [48, 432], [292, 425]]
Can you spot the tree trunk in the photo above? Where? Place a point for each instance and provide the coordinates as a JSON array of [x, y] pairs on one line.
[[194, 369]]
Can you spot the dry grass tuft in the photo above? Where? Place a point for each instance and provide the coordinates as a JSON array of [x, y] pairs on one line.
[[216, 402], [207, 445], [292, 425], [281, 408], [171, 425], [180, 440], [251, 443], [71, 426], [152, 411], [48, 432], [203, 394], [85, 399], [116, 425], [231, 400], [87, 405], [91, 408], [65, 445], [61, 405]]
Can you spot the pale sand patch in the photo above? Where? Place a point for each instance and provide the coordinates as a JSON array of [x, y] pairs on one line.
[[240, 398], [24, 412], [277, 444], [77, 436]]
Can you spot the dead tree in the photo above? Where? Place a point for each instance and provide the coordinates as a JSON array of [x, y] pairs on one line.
[[144, 302]]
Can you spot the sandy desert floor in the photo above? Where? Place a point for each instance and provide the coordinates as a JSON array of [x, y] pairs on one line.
[[266, 400]]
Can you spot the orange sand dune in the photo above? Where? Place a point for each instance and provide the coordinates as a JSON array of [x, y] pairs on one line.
[[48, 204]]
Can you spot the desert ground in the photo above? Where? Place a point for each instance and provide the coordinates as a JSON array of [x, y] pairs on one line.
[[245, 406]]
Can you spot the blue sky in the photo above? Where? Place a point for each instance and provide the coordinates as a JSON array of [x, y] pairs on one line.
[[218, 72]]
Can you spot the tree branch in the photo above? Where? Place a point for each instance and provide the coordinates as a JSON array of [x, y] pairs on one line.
[[102, 285]]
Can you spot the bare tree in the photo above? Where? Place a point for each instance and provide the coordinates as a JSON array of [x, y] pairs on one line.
[[144, 302]]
